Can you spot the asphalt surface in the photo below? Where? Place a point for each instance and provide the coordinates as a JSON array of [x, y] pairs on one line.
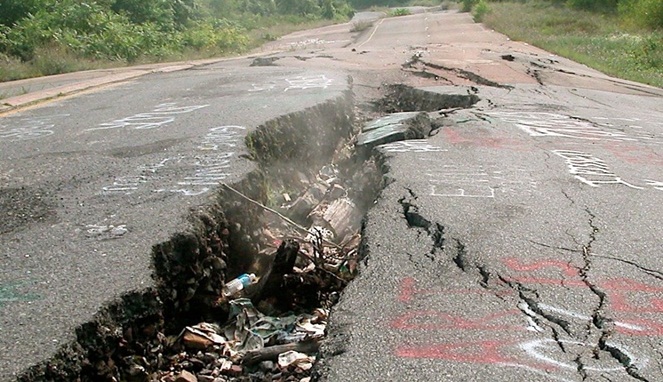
[[90, 183], [521, 242]]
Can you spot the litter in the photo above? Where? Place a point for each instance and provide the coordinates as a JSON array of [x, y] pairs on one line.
[[233, 287], [275, 316]]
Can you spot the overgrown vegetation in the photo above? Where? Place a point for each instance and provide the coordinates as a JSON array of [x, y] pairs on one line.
[[384, 5], [644, 14], [466, 5], [480, 10], [623, 38], [40, 37], [399, 12]]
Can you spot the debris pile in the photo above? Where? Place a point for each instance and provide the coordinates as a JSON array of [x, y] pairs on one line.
[[276, 311], [251, 344], [393, 128]]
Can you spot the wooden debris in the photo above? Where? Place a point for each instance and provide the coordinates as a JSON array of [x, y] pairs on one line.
[[272, 352]]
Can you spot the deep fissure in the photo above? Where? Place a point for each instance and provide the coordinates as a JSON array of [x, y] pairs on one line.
[[623, 358], [128, 339]]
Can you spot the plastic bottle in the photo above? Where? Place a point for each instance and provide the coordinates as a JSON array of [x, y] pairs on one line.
[[234, 286]]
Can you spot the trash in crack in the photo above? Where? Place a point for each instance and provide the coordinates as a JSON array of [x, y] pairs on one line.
[[251, 343], [277, 309], [235, 286], [173, 331]]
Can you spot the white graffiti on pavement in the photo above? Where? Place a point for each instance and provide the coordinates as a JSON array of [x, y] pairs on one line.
[[411, 146], [161, 115], [591, 170]]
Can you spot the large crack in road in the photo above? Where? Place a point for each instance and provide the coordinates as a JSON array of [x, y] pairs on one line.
[[472, 262], [582, 347], [134, 337]]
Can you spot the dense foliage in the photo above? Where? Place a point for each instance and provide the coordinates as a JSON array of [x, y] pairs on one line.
[[646, 14], [126, 30]]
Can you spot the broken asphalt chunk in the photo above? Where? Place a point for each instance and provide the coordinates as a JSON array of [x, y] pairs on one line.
[[393, 128], [185, 376]]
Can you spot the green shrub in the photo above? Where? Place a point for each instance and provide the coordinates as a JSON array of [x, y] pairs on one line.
[[480, 10], [298, 7], [48, 36], [648, 52], [398, 12], [26, 35], [467, 5], [11, 11], [642, 13]]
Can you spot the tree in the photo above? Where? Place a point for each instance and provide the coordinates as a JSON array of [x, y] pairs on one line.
[[12, 11]]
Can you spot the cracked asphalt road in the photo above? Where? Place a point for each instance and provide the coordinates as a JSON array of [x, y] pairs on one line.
[[89, 184], [520, 242]]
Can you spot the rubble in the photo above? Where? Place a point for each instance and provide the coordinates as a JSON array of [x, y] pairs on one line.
[[394, 127], [276, 311], [294, 232], [185, 376]]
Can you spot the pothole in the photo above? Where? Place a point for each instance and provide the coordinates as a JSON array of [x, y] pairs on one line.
[[291, 230], [24, 206]]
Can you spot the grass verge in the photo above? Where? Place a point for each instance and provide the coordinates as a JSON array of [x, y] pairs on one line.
[[596, 40], [57, 59], [398, 12]]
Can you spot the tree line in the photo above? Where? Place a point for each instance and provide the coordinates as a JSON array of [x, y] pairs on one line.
[[647, 14], [127, 30]]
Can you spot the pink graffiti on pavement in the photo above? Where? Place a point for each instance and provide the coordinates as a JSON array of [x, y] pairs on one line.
[[618, 290], [434, 320], [635, 308], [408, 291], [482, 352]]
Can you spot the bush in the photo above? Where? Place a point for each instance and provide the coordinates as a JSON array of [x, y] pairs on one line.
[[298, 7], [480, 10], [26, 35], [642, 13], [467, 5], [129, 30], [11, 11], [399, 12], [649, 52]]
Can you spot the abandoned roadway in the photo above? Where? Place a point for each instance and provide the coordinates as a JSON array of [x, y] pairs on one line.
[[521, 241], [91, 183]]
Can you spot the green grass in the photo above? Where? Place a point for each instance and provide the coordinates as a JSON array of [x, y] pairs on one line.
[[596, 40], [56, 59], [425, 3], [49, 60], [395, 12]]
